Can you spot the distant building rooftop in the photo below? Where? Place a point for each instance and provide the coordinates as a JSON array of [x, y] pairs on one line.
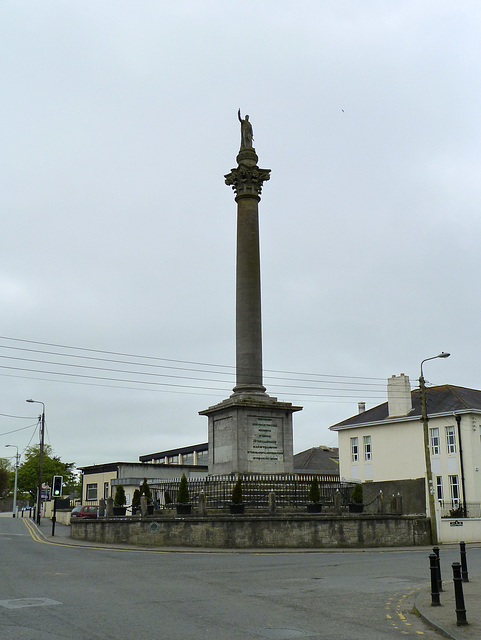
[[320, 460]]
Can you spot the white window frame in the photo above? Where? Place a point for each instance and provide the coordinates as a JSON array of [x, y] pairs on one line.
[[440, 489], [367, 448], [354, 449], [451, 440], [435, 441], [454, 490]]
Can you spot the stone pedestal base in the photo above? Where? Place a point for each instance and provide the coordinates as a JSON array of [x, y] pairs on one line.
[[249, 434]]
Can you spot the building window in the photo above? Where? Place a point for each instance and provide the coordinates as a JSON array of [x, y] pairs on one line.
[[434, 441], [173, 460], [188, 458], [367, 449], [354, 449], [454, 490], [439, 489], [202, 457], [451, 439], [91, 492]]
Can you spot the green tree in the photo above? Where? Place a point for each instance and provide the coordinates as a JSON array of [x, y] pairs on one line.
[[27, 480], [136, 499], [4, 482], [183, 495], [145, 491], [237, 491], [314, 491], [357, 494], [120, 498]]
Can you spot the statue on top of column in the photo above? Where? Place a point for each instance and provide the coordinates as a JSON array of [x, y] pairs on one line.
[[246, 132]]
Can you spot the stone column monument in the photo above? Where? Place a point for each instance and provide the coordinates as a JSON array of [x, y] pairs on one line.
[[250, 432]]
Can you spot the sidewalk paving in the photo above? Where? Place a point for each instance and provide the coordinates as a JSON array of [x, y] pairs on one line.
[[442, 618]]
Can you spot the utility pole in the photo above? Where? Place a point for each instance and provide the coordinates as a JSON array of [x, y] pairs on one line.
[[40, 460], [427, 452]]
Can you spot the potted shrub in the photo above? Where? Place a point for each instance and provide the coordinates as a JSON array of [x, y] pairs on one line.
[[237, 506], [183, 497], [136, 502], [119, 501], [145, 491], [356, 505], [314, 505]]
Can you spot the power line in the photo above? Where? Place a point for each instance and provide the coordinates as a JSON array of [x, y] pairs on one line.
[[142, 373], [158, 359], [96, 359], [324, 389], [17, 430]]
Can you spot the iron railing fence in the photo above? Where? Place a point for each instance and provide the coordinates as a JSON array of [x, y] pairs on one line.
[[457, 509], [291, 491]]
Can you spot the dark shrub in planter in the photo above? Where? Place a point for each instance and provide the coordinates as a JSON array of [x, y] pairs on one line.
[[119, 501], [183, 497], [136, 502], [314, 505], [356, 505], [237, 506]]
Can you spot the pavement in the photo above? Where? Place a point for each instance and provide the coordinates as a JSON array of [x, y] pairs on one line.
[[442, 618]]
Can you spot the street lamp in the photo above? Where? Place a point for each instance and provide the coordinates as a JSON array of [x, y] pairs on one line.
[[17, 462], [40, 460], [427, 453]]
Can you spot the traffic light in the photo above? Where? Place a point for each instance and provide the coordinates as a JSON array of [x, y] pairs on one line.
[[57, 486]]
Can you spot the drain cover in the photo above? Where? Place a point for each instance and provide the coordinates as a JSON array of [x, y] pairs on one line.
[[19, 603]]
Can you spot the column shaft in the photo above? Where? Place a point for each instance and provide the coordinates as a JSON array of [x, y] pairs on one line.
[[248, 298]]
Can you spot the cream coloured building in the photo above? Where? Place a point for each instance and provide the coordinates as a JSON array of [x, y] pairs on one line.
[[386, 443]]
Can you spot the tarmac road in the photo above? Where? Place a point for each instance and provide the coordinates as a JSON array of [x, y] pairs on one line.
[[52, 588]]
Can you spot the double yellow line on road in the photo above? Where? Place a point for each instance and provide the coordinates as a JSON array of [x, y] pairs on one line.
[[34, 531], [38, 537]]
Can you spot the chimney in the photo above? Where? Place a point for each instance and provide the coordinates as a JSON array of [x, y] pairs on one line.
[[361, 407], [398, 396]]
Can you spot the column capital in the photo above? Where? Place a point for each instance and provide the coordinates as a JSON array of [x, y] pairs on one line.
[[247, 179]]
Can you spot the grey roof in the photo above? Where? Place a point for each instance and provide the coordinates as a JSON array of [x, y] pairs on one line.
[[446, 398], [174, 452], [322, 460]]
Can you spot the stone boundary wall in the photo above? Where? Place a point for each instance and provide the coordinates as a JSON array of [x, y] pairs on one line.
[[257, 532]]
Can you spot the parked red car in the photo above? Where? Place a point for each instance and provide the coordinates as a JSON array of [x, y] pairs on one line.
[[87, 512]]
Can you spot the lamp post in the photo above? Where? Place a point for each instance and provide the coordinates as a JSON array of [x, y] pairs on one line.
[[427, 453], [40, 460], [17, 462]]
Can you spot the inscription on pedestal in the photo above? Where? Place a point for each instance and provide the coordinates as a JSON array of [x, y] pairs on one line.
[[265, 440]]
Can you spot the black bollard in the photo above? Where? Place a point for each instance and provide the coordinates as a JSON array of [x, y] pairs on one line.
[[464, 564], [458, 595], [440, 580], [433, 565]]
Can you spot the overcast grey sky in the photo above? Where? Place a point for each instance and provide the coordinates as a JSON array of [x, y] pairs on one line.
[[119, 121]]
